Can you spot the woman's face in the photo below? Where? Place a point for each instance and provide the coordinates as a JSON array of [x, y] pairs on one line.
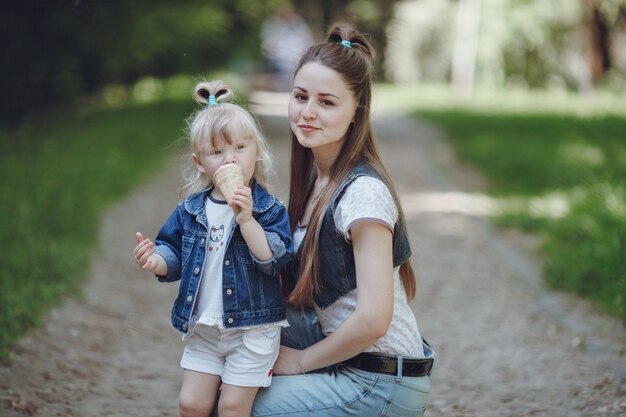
[[321, 107]]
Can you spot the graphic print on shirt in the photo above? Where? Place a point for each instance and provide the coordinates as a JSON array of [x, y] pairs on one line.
[[216, 236]]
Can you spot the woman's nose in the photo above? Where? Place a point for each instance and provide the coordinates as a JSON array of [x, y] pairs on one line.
[[308, 113]]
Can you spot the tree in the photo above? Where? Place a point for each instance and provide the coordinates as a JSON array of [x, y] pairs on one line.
[[368, 16], [56, 51], [466, 45], [600, 22]]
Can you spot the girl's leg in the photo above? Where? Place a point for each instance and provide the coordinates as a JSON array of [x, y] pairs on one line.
[[236, 401], [303, 331], [198, 393]]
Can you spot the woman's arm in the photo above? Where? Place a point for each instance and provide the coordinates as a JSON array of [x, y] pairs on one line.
[[372, 245]]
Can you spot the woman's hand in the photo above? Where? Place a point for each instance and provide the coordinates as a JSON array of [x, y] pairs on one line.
[[288, 362]]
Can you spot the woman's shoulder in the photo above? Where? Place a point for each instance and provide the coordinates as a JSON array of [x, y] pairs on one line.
[[366, 198], [365, 188]]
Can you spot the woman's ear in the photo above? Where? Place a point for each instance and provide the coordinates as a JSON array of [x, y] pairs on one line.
[[198, 163]]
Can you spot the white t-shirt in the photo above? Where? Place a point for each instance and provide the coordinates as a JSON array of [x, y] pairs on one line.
[[369, 199], [209, 308], [209, 304]]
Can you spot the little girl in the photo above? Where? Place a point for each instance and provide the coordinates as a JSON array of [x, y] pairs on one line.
[[226, 256]]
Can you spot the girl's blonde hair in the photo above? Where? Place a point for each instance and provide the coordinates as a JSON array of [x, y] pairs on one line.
[[221, 119]]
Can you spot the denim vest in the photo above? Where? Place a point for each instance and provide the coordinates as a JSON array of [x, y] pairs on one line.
[[251, 288], [337, 272]]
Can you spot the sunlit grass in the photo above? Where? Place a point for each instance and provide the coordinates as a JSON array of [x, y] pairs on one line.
[[392, 98], [555, 165]]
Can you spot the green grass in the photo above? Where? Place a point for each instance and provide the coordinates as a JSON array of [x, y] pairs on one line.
[[57, 174], [555, 163], [575, 160]]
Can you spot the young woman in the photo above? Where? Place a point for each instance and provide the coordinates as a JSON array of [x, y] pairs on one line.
[[352, 263]]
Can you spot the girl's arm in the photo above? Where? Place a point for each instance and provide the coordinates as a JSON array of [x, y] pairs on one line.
[[252, 232], [256, 240], [372, 245]]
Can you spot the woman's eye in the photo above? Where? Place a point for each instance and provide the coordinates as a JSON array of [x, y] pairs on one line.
[[300, 97], [327, 103]]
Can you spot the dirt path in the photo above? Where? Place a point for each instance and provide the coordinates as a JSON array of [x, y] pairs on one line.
[[506, 346]]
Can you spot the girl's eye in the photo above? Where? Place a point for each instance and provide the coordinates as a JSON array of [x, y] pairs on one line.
[[240, 146], [216, 152]]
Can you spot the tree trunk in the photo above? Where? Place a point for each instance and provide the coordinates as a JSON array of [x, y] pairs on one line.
[[322, 13], [379, 34], [598, 42], [466, 45]]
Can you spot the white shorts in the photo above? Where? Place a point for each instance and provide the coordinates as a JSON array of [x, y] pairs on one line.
[[240, 357]]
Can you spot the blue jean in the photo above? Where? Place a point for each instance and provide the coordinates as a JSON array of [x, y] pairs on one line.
[[340, 391]]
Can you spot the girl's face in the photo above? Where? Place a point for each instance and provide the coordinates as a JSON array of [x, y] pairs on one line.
[[321, 107], [242, 151]]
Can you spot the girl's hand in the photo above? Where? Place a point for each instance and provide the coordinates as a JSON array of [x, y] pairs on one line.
[[288, 362], [144, 253], [242, 204]]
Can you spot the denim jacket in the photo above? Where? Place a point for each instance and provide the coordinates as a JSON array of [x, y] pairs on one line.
[[337, 271], [251, 288]]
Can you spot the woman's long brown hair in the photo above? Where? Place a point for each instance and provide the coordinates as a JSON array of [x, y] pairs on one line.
[[355, 67]]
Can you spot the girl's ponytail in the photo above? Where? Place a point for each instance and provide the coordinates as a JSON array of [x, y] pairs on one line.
[[217, 89]]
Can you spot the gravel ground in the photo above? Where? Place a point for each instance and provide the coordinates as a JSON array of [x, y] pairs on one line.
[[507, 346]]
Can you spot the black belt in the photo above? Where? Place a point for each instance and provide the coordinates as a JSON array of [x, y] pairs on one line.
[[384, 363]]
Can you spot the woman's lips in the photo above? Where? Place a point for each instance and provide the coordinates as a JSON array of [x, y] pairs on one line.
[[307, 128]]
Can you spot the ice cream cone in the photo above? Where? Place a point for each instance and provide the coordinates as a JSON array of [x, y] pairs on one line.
[[227, 178]]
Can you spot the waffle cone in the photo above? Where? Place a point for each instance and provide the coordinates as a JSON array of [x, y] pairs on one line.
[[227, 178]]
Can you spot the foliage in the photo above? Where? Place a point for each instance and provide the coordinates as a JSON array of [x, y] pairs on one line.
[[523, 43], [565, 174], [58, 174], [56, 51]]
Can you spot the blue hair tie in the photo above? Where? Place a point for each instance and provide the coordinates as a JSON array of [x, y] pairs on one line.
[[347, 44], [212, 101]]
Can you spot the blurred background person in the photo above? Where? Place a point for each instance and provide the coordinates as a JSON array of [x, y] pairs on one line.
[[284, 36]]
